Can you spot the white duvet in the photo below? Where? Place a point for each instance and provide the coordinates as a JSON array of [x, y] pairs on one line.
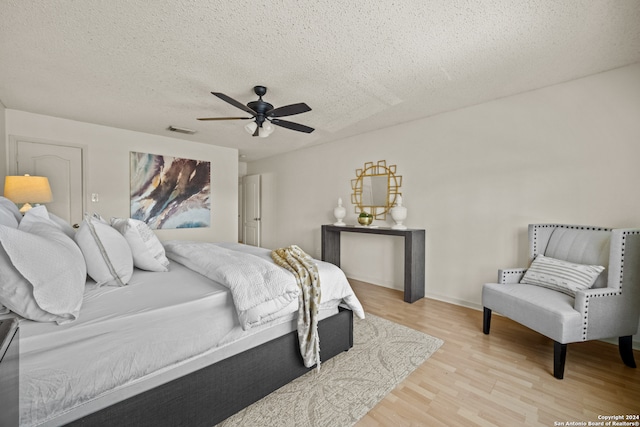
[[261, 290], [126, 339]]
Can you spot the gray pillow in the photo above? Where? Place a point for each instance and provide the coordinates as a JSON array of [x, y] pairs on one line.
[[559, 275]]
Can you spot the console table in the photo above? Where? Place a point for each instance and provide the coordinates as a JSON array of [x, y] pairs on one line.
[[414, 253]]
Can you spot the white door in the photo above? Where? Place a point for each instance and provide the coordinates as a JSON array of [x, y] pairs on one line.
[[240, 210], [62, 165], [252, 210]]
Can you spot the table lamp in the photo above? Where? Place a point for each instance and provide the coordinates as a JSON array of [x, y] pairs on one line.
[[27, 189]]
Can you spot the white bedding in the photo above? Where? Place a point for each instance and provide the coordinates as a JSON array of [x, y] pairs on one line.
[[262, 291], [132, 338], [122, 334]]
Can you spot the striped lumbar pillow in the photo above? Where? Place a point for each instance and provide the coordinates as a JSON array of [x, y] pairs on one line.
[[563, 276]]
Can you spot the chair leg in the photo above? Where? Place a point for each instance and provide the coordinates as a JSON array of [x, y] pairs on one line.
[[486, 321], [559, 357], [625, 345]]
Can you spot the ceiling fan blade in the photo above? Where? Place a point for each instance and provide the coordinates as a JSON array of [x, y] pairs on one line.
[[257, 131], [234, 102], [292, 125], [289, 110], [225, 118]]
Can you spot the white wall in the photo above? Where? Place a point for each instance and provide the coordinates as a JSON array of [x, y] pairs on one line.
[[107, 167], [473, 178], [3, 146]]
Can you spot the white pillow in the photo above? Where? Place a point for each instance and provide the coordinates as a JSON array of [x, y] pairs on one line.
[[559, 275], [148, 252], [7, 219], [16, 293], [106, 252], [42, 270], [63, 225], [9, 213]]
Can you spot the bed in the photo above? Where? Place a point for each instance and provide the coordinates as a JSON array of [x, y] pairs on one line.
[[171, 346]]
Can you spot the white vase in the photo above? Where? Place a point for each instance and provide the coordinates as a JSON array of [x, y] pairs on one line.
[[339, 212], [399, 214]]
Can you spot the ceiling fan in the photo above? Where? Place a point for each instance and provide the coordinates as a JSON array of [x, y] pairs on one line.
[[263, 114]]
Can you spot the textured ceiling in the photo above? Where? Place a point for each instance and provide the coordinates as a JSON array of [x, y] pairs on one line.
[[360, 65]]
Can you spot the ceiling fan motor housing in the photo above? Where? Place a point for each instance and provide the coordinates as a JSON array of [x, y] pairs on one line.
[[260, 107]]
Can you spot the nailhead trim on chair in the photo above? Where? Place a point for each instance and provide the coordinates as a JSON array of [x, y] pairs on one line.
[[608, 294], [508, 272]]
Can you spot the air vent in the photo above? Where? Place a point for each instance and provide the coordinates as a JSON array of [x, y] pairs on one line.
[[181, 130]]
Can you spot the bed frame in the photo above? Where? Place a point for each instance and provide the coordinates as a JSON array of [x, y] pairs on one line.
[[214, 393]]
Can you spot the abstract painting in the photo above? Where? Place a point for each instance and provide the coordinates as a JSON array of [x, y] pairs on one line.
[[170, 192]]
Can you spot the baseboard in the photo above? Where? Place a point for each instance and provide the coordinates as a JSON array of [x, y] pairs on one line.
[[479, 307], [454, 301]]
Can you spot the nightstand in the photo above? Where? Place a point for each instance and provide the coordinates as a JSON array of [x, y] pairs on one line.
[[9, 370]]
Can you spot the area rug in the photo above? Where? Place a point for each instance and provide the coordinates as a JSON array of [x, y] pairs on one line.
[[347, 386]]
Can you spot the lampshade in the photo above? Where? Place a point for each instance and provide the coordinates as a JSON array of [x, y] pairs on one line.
[[251, 127], [27, 189], [265, 130]]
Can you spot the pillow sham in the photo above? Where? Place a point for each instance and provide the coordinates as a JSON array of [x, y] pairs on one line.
[[16, 293], [42, 270], [63, 225], [106, 252], [559, 275], [7, 219], [9, 213], [148, 252]]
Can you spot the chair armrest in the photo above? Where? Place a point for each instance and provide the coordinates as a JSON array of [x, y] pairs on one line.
[[586, 296], [510, 275], [606, 313], [592, 296]]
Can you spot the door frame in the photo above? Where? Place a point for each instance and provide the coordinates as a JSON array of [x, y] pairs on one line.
[[12, 158], [258, 203]]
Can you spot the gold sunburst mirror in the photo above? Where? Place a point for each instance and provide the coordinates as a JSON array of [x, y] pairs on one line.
[[375, 188]]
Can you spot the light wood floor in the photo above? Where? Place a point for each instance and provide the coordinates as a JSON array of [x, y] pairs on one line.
[[501, 379]]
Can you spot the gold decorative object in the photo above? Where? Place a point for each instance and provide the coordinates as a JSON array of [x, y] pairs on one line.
[[365, 218], [375, 189]]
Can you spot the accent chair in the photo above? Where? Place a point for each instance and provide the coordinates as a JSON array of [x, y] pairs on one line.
[[583, 284]]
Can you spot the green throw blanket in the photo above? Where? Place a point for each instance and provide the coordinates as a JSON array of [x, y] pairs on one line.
[[305, 271]]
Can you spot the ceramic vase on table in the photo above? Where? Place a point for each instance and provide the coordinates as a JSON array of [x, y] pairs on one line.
[[399, 214], [339, 212]]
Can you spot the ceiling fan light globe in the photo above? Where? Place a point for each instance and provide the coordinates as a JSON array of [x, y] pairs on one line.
[[251, 127], [267, 127], [263, 133]]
